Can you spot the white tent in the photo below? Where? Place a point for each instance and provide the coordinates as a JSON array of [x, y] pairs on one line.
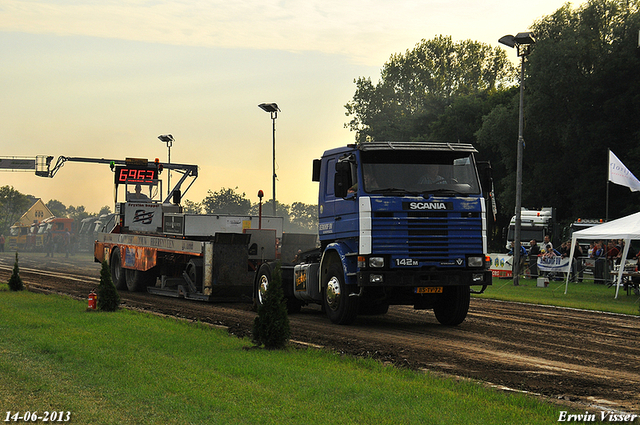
[[627, 228]]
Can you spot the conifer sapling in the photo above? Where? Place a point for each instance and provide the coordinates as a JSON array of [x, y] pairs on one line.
[[108, 297], [15, 282]]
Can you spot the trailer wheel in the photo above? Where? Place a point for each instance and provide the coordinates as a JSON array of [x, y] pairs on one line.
[[339, 306], [138, 280], [262, 283], [117, 272], [194, 271], [452, 306]]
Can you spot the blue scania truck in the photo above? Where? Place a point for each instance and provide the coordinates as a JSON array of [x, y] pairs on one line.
[[400, 223]]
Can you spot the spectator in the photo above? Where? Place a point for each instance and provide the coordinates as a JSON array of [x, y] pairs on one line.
[[66, 242], [534, 252], [576, 265], [599, 256], [49, 244]]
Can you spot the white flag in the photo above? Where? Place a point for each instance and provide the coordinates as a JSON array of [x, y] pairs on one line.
[[619, 174]]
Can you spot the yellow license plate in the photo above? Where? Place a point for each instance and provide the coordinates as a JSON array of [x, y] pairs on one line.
[[429, 290]]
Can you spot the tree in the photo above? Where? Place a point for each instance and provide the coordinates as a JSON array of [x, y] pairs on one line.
[[15, 282], [282, 210], [57, 208], [416, 87], [108, 297], [77, 214], [104, 210], [271, 326], [226, 201], [190, 207], [581, 91], [304, 217], [12, 205], [582, 100]]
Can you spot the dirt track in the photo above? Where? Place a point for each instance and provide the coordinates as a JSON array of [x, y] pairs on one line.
[[587, 358]]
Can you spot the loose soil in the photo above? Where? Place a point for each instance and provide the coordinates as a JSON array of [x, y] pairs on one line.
[[586, 359]]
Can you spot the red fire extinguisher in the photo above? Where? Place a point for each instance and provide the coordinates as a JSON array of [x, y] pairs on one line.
[[92, 300]]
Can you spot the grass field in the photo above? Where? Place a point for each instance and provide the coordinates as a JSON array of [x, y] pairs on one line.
[[135, 368], [585, 295]]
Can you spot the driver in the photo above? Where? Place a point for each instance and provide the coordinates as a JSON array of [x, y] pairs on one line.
[[138, 195], [432, 176]]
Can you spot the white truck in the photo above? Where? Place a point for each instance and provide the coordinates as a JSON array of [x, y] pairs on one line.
[[535, 224]]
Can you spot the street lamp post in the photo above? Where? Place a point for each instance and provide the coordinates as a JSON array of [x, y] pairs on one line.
[[168, 139], [273, 109], [522, 42]]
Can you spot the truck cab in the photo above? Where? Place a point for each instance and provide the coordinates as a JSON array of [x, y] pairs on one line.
[[399, 223], [534, 225]]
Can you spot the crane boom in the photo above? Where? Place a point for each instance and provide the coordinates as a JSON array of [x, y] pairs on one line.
[[45, 167]]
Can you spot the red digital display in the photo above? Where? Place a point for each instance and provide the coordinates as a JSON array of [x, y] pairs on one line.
[[135, 175]]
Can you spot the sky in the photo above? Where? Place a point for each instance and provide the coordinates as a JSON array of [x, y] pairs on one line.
[[105, 78]]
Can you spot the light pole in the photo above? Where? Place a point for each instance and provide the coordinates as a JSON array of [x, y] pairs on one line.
[[168, 139], [273, 109], [522, 42]]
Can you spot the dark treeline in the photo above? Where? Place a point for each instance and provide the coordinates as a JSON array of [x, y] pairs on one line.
[[582, 98], [298, 217]]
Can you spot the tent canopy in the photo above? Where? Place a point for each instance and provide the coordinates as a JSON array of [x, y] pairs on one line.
[[623, 228], [627, 228]]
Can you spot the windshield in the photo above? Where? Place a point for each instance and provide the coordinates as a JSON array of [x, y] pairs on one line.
[[527, 233], [419, 172], [142, 192]]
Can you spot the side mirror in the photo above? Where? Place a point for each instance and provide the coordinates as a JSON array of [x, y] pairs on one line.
[[316, 170]]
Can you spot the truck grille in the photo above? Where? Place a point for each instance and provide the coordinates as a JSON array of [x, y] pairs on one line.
[[428, 236]]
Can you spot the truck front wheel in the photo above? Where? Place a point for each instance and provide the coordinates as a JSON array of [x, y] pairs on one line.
[[339, 306], [452, 306]]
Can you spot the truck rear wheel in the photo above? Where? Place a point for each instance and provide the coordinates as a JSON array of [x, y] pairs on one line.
[[117, 272], [452, 306], [339, 306], [138, 280]]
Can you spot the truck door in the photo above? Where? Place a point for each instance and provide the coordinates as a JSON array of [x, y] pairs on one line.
[[338, 216]]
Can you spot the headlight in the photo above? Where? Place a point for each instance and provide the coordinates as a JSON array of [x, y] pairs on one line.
[[376, 262], [475, 261]]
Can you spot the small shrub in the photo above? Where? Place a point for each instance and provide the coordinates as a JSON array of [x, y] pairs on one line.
[[271, 326], [15, 282], [108, 297]]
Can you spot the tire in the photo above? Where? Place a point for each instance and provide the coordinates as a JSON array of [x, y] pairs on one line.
[[339, 306], [138, 280], [262, 283], [194, 271], [117, 272], [453, 305]]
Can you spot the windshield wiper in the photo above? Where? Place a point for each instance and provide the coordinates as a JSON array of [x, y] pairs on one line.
[[392, 191], [442, 191]]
